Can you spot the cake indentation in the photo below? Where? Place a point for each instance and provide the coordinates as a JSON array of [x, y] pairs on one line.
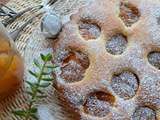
[[89, 31], [154, 59], [129, 13], [117, 44], [98, 104], [144, 113], [125, 84]]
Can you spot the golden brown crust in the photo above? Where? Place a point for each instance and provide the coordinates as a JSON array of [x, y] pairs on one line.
[[143, 37]]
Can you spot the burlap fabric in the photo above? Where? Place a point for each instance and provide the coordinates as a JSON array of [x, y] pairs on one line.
[[30, 43]]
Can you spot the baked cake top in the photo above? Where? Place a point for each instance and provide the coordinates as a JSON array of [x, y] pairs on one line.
[[109, 58]]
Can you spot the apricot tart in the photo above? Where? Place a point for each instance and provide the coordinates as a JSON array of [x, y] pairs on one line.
[[109, 58]]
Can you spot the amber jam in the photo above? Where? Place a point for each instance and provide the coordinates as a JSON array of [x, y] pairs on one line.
[[11, 65]]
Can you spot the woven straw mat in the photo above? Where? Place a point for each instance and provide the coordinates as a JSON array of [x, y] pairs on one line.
[[31, 42]]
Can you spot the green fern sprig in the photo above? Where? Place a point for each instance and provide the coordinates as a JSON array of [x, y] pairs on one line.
[[35, 89]]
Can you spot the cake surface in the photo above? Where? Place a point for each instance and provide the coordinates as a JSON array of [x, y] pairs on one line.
[[109, 58]]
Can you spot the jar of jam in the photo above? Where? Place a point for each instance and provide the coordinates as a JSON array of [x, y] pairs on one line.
[[11, 65]]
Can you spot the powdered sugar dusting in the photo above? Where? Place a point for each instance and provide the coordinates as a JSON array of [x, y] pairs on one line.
[[73, 65], [98, 104], [117, 44], [125, 84], [154, 59], [153, 24], [129, 13], [150, 90], [89, 31], [144, 113], [136, 88]]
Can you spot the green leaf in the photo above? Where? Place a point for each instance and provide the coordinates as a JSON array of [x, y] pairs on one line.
[[47, 79], [36, 62], [29, 83], [48, 57], [36, 88], [46, 73], [33, 74], [32, 86], [33, 110], [52, 66], [19, 112], [43, 57], [44, 85], [40, 91]]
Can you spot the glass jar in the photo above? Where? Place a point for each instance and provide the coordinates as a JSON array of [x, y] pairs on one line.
[[11, 65]]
